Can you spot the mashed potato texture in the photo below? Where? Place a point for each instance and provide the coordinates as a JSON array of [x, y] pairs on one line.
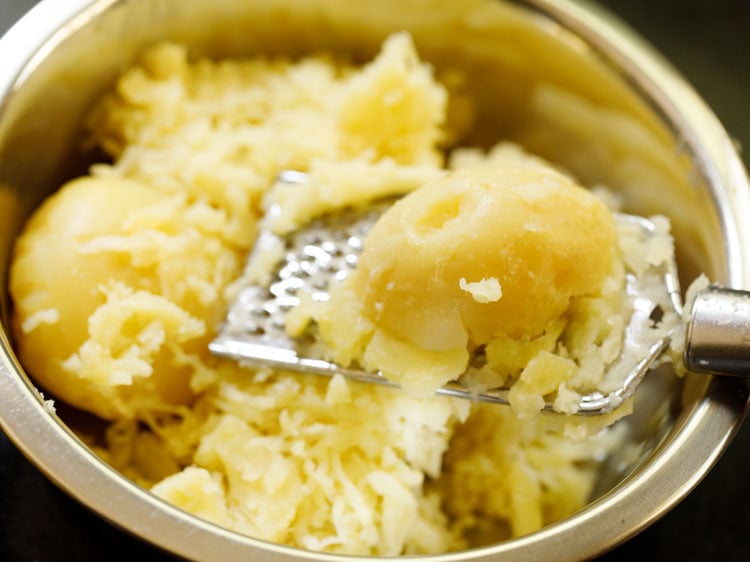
[[121, 278], [480, 254], [117, 282]]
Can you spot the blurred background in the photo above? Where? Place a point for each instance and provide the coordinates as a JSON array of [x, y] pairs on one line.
[[707, 41]]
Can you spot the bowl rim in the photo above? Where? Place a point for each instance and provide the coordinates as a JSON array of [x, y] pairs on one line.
[[668, 475]]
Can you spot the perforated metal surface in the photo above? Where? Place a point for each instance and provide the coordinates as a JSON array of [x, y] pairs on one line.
[[313, 258], [328, 250]]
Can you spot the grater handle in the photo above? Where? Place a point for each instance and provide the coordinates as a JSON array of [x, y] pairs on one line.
[[718, 333]]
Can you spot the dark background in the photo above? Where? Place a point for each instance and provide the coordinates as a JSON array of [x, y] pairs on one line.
[[707, 40]]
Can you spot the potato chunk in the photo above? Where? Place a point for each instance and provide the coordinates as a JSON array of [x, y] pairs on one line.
[[106, 281], [482, 253]]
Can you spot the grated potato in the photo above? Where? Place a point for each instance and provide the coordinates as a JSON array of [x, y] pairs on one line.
[[122, 277], [411, 313]]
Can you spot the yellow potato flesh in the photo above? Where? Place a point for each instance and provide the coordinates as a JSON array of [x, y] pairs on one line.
[[482, 253], [65, 263]]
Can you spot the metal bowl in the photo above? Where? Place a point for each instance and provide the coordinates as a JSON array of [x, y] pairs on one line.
[[561, 77]]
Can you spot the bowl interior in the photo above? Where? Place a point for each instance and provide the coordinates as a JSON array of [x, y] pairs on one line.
[[532, 76]]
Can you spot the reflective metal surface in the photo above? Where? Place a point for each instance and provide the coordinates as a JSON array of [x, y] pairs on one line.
[[328, 249], [719, 332], [565, 56]]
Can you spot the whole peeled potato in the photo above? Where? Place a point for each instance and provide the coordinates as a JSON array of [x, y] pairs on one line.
[[112, 286], [482, 253]]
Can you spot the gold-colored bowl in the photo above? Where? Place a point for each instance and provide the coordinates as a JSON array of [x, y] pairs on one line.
[[561, 77]]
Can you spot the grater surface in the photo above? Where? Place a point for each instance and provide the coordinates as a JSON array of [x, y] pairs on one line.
[[327, 250]]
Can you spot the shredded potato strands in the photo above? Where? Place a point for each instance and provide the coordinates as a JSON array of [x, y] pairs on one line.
[[311, 258]]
